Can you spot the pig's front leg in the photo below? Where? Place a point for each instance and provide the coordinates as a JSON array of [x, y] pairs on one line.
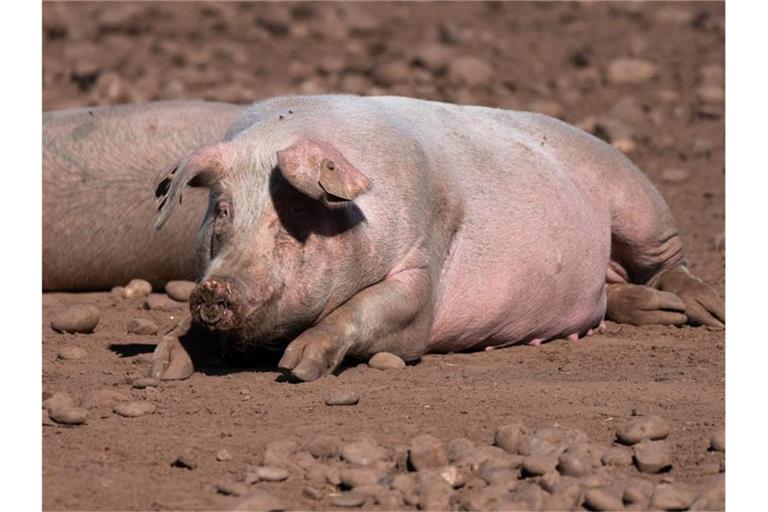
[[394, 316], [178, 353]]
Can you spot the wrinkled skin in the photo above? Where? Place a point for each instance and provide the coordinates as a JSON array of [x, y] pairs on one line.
[[344, 226]]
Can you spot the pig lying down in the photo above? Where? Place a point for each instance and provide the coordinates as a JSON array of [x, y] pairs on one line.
[[344, 226]]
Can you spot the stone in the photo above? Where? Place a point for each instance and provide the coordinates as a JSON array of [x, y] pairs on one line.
[[508, 436], [652, 456], [570, 464], [137, 288], [601, 499], [323, 447], [643, 427], [161, 302], [630, 70], [342, 397], [391, 72], [717, 441], [638, 492], [59, 399], [348, 500], [458, 447], [187, 459], [617, 456], [232, 488], [713, 498], [471, 71], [261, 500], [134, 409], [223, 455], [179, 290], [671, 497], [386, 361], [710, 93], [537, 465], [76, 319], [278, 453], [427, 451], [68, 415], [356, 477], [141, 327], [71, 354], [434, 57], [271, 474], [146, 382], [674, 175], [364, 453]]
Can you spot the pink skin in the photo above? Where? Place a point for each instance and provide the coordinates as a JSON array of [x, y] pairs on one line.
[[352, 232]]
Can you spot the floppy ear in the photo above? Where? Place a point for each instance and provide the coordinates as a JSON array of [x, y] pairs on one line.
[[320, 171], [199, 169]]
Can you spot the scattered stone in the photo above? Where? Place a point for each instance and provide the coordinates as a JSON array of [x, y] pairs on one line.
[[643, 427], [116, 293], [390, 500], [356, 477], [617, 456], [459, 447], [137, 288], [179, 290], [638, 492], [312, 493], [72, 353], [348, 499], [386, 361], [712, 74], [671, 497], [186, 459], [625, 145], [76, 319], [364, 453], [629, 70], [537, 465], [711, 93], [141, 327], [570, 464], [59, 399], [434, 57], [434, 493], [392, 72], [717, 441], [550, 481], [508, 436], [675, 176], [342, 397], [223, 455], [161, 302], [713, 498], [232, 488], [427, 451], [145, 382], [323, 447], [261, 500], [548, 107], [601, 499], [278, 453], [565, 497], [471, 71], [68, 415], [500, 469], [271, 473], [675, 15], [134, 409], [103, 398], [652, 456]]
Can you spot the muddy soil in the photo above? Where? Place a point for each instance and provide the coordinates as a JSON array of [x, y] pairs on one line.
[[560, 59]]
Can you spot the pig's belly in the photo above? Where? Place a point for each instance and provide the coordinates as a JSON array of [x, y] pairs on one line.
[[531, 269]]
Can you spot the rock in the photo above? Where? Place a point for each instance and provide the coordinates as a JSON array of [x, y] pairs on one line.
[[356, 477], [713, 498], [390, 500], [434, 493], [223, 455], [116, 293], [638, 492], [717, 441], [471, 71], [386, 361], [643, 427], [323, 447], [348, 499], [473, 459], [674, 176], [630, 70], [434, 57], [675, 15], [279, 453], [617, 456], [529, 495], [600, 499], [134, 409], [573, 465], [342, 397], [271, 473], [261, 500], [76, 319], [427, 451], [671, 497], [625, 145], [550, 481], [186, 459], [548, 107], [232, 488], [72, 353], [68, 415], [179, 290], [364, 453], [712, 74], [565, 497], [145, 382], [312, 493], [59, 399], [508, 436], [391, 72], [160, 302], [355, 83], [710, 93], [103, 398], [652, 456], [137, 288], [500, 469], [537, 465], [141, 327], [458, 447]]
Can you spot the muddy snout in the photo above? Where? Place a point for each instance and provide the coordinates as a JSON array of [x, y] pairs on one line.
[[218, 304]]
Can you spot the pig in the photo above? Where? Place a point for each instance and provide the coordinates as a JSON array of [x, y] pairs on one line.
[[341, 226], [98, 164]]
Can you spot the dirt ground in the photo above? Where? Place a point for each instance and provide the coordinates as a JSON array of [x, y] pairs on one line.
[[554, 58]]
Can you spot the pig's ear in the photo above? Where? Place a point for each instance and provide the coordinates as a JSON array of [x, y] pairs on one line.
[[199, 169], [320, 171]]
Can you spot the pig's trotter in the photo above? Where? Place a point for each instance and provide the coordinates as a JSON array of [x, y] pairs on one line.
[[313, 354], [702, 304], [176, 354], [638, 305]]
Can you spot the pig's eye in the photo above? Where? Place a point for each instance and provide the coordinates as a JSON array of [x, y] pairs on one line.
[[222, 209]]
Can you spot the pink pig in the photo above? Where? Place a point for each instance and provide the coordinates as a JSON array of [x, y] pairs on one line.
[[345, 226]]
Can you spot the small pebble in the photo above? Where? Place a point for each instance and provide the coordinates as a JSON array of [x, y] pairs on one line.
[[629, 70], [323, 447], [137, 288], [617, 456], [713, 498], [600, 499], [363, 453], [271, 473], [232, 488], [386, 361], [625, 145], [342, 397], [537, 465], [223, 455], [348, 500], [638, 492], [59, 399], [573, 465], [312, 493], [103, 398], [186, 459], [161, 302], [675, 175], [717, 441], [356, 477], [427, 451], [68, 415], [77, 319], [179, 290], [134, 409], [459, 447], [508, 436], [279, 453], [259, 499], [472, 71], [72, 353], [145, 382], [643, 427], [141, 327], [671, 497], [652, 456], [116, 293]]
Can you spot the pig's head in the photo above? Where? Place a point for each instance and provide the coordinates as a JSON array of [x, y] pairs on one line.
[[275, 247]]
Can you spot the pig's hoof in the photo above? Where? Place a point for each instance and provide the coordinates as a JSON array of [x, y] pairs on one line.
[[312, 355], [639, 305], [702, 305], [171, 361]]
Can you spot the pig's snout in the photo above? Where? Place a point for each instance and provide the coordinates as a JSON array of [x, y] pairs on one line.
[[218, 304]]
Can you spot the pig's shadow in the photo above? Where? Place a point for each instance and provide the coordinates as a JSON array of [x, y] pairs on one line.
[[302, 215]]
